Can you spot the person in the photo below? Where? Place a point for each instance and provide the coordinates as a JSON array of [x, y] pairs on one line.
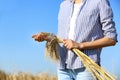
[[86, 25]]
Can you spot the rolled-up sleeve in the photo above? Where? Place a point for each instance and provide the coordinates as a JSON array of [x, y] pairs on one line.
[[106, 19]]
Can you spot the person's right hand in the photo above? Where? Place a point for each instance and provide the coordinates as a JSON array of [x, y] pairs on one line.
[[39, 37]]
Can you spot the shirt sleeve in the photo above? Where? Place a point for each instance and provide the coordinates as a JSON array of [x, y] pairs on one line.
[[106, 19]]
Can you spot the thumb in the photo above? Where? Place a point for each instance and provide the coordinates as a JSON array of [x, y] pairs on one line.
[[64, 39], [33, 36]]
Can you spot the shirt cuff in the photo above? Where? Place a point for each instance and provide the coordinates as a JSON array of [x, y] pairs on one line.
[[112, 36]]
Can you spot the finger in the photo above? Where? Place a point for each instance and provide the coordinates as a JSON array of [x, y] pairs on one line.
[[40, 39], [65, 41], [36, 39], [33, 36], [68, 47], [67, 44], [41, 35]]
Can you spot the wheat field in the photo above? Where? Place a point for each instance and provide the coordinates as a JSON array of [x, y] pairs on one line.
[[26, 76]]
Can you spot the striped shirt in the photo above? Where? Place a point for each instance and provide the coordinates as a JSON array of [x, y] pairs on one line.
[[94, 21]]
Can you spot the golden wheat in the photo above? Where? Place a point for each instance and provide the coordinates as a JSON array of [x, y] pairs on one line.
[[26, 76]]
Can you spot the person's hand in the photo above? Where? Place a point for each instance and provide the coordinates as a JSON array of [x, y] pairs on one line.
[[39, 37], [70, 44]]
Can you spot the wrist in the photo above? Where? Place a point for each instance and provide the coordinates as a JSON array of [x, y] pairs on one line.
[[81, 45]]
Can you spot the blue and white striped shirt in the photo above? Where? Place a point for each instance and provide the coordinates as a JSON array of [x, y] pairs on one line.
[[95, 21]]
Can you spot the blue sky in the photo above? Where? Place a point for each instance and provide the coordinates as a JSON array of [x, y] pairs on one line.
[[20, 19]]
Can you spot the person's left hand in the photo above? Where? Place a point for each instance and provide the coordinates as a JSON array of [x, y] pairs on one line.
[[40, 37], [70, 44]]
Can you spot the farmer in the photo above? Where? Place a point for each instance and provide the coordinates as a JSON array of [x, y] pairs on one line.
[[86, 25]]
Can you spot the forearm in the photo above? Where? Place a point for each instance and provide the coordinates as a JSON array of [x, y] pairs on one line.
[[103, 42]]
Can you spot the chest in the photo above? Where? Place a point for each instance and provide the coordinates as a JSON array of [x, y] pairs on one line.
[[87, 10]]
